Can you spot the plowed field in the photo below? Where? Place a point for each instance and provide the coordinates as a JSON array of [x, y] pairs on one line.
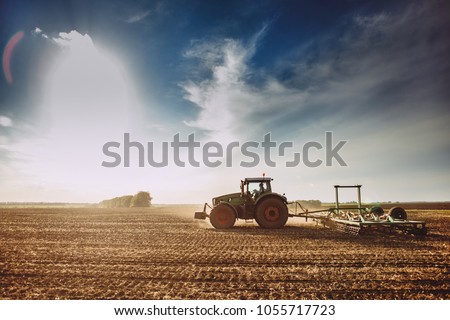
[[162, 253]]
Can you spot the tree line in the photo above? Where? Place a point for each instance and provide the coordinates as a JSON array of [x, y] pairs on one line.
[[140, 199]]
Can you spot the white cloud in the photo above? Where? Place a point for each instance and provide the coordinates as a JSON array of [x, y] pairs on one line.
[[138, 17], [218, 96], [38, 32], [229, 104], [74, 40], [5, 121]]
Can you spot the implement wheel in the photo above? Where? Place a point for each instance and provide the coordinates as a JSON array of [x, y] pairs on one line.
[[398, 213], [271, 213], [222, 217], [378, 211]]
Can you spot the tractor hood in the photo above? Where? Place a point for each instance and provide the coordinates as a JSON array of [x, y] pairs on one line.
[[229, 197]]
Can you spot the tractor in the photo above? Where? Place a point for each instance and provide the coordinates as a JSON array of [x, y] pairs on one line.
[[255, 201]]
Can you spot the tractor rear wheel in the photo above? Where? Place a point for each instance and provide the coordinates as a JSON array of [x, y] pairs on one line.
[[222, 217], [271, 213], [397, 213]]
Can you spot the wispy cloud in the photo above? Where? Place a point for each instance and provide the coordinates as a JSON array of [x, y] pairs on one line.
[[381, 63], [138, 17], [380, 82], [226, 98], [5, 121]]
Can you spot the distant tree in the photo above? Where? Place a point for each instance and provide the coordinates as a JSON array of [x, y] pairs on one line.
[[106, 203], [141, 199], [124, 201]]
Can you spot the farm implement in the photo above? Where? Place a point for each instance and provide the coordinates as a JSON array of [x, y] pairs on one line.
[[360, 220], [271, 210]]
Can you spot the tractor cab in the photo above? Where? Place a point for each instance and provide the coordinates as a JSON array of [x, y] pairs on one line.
[[254, 187]]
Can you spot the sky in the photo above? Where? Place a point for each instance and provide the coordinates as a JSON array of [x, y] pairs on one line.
[[79, 78]]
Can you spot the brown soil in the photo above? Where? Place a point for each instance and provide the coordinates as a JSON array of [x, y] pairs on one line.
[[162, 253]]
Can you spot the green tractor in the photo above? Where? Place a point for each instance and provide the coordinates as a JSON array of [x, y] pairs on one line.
[[255, 201]]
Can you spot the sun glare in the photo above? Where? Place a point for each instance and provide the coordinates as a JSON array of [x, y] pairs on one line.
[[88, 101], [87, 88]]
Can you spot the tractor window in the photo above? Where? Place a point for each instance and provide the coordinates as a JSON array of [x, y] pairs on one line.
[[252, 186], [256, 188]]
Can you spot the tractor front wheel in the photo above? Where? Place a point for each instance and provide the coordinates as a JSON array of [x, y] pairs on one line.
[[271, 213], [222, 217]]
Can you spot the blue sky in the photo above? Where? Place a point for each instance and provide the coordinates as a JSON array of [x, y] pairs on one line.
[[375, 73]]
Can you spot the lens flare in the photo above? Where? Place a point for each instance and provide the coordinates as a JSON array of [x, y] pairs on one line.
[[7, 54]]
